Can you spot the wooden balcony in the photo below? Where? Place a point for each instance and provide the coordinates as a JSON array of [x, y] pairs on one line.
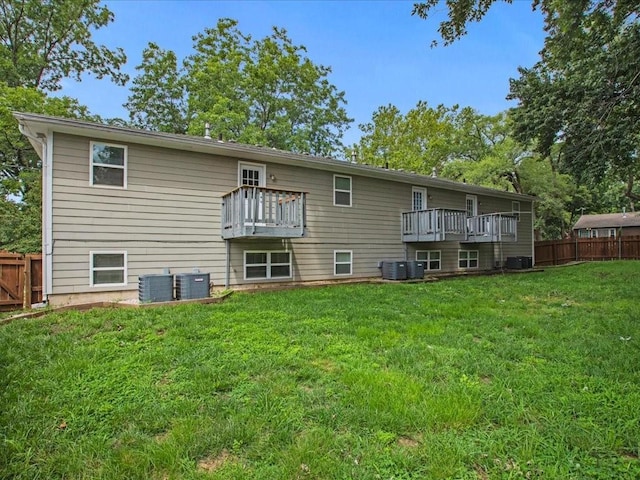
[[252, 212], [493, 227], [440, 224], [434, 225]]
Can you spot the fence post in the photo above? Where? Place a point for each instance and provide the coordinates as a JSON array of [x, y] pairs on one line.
[[26, 296]]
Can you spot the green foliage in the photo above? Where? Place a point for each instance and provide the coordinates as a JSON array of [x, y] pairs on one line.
[[157, 100], [418, 141], [263, 92], [21, 222], [513, 376], [581, 98], [43, 42], [16, 154]]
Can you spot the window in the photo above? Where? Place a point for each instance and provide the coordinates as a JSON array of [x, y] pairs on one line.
[[471, 206], [108, 165], [251, 174], [515, 209], [468, 258], [419, 198], [612, 233], [108, 268], [342, 262], [267, 265], [341, 191], [431, 259], [593, 233]]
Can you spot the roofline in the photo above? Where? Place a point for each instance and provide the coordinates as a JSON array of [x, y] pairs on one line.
[[43, 124]]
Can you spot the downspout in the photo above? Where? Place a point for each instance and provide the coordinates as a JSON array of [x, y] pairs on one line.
[[46, 144], [533, 235]]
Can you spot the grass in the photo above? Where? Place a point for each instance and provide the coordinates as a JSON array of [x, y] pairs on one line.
[[513, 376]]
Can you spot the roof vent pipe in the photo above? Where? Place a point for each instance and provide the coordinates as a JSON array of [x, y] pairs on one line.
[[207, 131], [220, 138], [354, 156], [433, 172], [624, 212]]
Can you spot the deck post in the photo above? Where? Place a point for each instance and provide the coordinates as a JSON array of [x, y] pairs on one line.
[[227, 272]]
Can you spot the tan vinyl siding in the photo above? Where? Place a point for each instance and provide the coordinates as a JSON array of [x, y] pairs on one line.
[[169, 217]]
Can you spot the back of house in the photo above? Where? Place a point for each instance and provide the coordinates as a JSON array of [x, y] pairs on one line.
[[119, 203]]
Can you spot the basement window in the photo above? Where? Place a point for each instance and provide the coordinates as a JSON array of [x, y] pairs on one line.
[[108, 269], [431, 259], [468, 258], [342, 262], [267, 265]]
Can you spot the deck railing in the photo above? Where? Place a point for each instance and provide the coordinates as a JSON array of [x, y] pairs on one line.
[[492, 227], [433, 225], [263, 212], [440, 224]]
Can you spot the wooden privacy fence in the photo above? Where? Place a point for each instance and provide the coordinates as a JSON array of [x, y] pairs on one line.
[[557, 252], [20, 280]]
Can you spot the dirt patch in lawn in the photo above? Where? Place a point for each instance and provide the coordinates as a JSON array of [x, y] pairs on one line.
[[211, 464]]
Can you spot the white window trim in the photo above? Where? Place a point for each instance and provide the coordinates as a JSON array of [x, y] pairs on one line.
[[428, 259], [350, 191], [108, 252], [613, 233], [350, 263], [254, 166], [515, 209], [593, 233], [269, 264], [123, 167], [467, 259], [422, 190], [474, 198]]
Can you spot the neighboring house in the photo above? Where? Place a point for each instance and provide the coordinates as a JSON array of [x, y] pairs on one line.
[[607, 225], [121, 202]]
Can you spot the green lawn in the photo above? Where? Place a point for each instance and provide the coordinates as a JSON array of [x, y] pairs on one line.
[[509, 376]]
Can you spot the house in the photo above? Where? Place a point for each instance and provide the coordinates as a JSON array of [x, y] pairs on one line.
[[607, 225], [120, 202]]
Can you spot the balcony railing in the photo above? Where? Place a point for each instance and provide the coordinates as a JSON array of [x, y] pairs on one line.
[[433, 225], [439, 224], [493, 227], [263, 212]]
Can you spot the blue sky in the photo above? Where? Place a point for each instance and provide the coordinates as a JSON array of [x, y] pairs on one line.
[[378, 52]]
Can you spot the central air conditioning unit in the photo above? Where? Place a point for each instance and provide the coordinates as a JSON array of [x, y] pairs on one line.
[[394, 270], [415, 269], [192, 285], [155, 288]]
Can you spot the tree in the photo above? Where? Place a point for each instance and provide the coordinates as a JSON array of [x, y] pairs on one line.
[[586, 100], [263, 92], [40, 44], [582, 96], [157, 100], [419, 141], [43, 42]]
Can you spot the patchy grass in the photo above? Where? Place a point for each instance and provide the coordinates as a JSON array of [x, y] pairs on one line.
[[514, 376]]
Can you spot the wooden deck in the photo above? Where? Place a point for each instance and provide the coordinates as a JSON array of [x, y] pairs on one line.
[[433, 225], [440, 224], [249, 212]]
